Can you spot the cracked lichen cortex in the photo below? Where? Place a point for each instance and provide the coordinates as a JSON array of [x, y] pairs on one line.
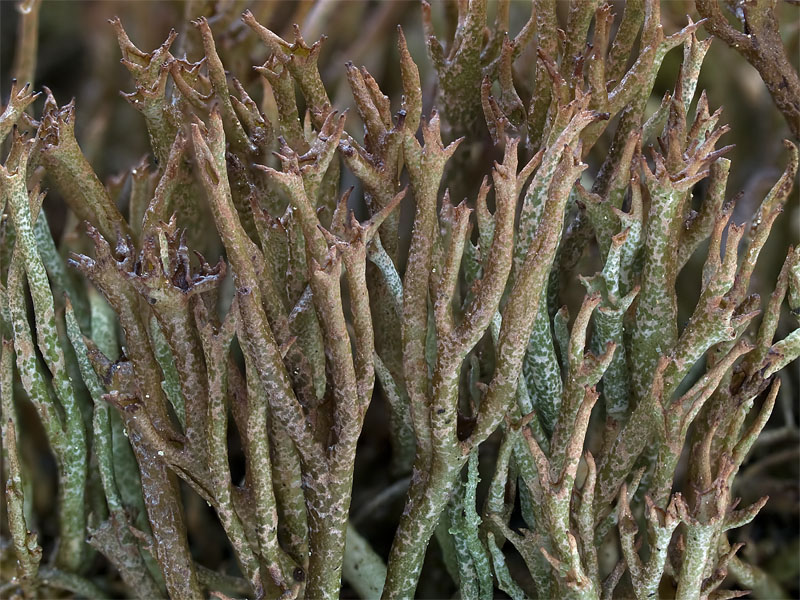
[[226, 361]]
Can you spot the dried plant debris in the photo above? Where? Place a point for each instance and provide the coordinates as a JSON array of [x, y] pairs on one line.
[[222, 338]]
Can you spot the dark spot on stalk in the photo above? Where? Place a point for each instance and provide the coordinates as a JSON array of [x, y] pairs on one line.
[[212, 172], [299, 574]]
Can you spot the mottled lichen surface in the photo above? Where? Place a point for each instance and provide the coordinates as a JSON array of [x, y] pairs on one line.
[[453, 342]]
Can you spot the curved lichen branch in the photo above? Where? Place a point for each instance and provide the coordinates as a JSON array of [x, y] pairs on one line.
[[761, 44]]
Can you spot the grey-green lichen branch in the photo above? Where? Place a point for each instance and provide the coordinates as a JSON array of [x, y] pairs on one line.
[[162, 380]]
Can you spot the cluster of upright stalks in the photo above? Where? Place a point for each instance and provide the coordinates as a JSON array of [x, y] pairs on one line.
[[143, 360]]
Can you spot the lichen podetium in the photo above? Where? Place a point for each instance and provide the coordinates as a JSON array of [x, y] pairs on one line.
[[222, 346]]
